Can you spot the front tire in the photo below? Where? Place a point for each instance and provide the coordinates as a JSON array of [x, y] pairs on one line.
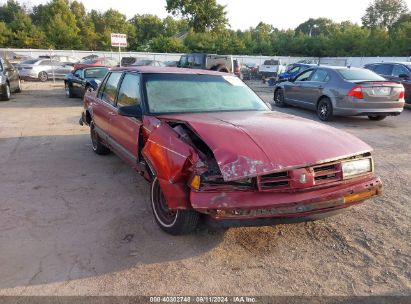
[[172, 221], [279, 98], [377, 117], [96, 143], [325, 109], [19, 89]]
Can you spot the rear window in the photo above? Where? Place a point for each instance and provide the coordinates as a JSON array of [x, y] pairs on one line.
[[354, 74], [271, 62], [30, 61]]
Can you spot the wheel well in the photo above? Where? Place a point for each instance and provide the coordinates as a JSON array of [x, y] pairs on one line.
[[322, 97]]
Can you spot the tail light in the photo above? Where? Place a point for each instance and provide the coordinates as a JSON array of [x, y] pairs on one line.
[[402, 95], [356, 92]]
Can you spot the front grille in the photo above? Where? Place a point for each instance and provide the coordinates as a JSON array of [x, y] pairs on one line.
[[327, 173], [273, 181]]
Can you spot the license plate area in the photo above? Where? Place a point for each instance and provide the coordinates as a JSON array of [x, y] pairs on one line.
[[381, 91]]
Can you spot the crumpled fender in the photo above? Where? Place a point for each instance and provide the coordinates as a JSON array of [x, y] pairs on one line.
[[171, 159]]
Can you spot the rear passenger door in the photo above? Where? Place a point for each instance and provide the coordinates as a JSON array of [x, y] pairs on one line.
[[124, 131], [104, 107]]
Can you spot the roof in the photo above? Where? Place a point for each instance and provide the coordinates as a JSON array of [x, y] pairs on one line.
[[167, 70], [391, 62]]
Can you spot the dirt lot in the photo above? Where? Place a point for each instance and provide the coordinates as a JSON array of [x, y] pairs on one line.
[[74, 223]]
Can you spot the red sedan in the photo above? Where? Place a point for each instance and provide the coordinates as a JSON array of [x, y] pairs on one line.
[[94, 62], [210, 146]]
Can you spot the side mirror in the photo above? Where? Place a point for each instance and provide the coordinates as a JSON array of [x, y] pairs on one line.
[[131, 111], [404, 76]]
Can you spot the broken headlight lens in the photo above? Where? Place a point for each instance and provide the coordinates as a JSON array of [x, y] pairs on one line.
[[356, 167]]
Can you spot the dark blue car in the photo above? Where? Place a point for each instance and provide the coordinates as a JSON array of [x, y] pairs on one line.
[[293, 71]]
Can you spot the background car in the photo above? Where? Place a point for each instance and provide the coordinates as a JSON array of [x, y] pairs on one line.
[[82, 80], [342, 91], [397, 71], [237, 68], [43, 69], [9, 79], [67, 60], [249, 70], [149, 62], [171, 63], [100, 61], [293, 71], [213, 62]]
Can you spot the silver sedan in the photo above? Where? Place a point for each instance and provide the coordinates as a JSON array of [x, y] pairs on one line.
[[43, 69], [342, 91]]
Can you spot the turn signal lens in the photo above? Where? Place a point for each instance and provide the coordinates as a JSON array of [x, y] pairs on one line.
[[356, 92], [195, 182]]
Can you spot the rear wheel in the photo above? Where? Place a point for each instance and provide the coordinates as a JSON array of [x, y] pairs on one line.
[[377, 117], [43, 76], [98, 147], [173, 221], [19, 89], [279, 98], [68, 90], [7, 93], [325, 109]]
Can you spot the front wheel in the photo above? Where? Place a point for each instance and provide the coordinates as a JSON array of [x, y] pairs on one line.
[[7, 93], [19, 89], [377, 117], [325, 109], [172, 221], [279, 98], [43, 76], [96, 143], [68, 90]]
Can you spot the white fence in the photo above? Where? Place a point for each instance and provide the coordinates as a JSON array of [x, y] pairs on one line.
[[351, 61]]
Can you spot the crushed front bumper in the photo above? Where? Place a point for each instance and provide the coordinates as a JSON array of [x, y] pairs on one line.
[[284, 206]]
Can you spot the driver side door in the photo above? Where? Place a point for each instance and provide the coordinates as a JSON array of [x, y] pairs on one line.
[[124, 131], [294, 90]]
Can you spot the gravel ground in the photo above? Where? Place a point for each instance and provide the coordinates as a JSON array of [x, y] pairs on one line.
[[74, 223]]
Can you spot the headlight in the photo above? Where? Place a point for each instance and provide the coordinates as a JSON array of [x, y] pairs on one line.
[[356, 167]]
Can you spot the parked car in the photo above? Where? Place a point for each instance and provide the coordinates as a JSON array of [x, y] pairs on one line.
[[127, 61], [82, 80], [100, 61], [293, 71], [213, 62], [250, 70], [43, 69], [396, 71], [88, 57], [149, 62], [209, 145], [271, 68], [171, 63], [67, 60], [342, 91], [9, 79]]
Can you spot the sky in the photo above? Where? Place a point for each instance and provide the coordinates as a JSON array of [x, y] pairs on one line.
[[244, 14]]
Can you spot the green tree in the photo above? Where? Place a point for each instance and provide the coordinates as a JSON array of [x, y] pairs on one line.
[[202, 15], [5, 35], [383, 13], [146, 28], [316, 27]]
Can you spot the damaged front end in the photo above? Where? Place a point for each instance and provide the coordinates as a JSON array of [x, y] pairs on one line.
[[191, 177]]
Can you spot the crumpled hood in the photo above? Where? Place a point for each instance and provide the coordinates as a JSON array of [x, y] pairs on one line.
[[247, 144]]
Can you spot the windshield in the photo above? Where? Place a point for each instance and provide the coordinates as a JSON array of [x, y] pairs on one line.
[[30, 61], [359, 74], [179, 93], [95, 73]]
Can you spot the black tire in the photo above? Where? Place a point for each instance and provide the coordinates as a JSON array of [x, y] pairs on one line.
[[68, 90], [98, 147], [377, 117], [175, 222], [19, 89], [43, 77], [7, 94], [279, 98], [325, 109]]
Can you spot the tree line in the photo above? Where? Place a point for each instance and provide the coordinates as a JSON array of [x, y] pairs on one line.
[[202, 26]]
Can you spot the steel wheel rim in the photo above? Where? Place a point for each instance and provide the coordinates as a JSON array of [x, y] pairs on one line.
[[43, 76], [278, 98]]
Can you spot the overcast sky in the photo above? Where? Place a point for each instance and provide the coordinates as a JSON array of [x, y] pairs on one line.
[[243, 14]]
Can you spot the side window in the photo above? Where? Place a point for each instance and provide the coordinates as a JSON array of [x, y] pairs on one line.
[[108, 93], [129, 92], [183, 61], [198, 61], [294, 70], [320, 76], [45, 62], [190, 61], [304, 76], [399, 70], [383, 69], [79, 73]]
